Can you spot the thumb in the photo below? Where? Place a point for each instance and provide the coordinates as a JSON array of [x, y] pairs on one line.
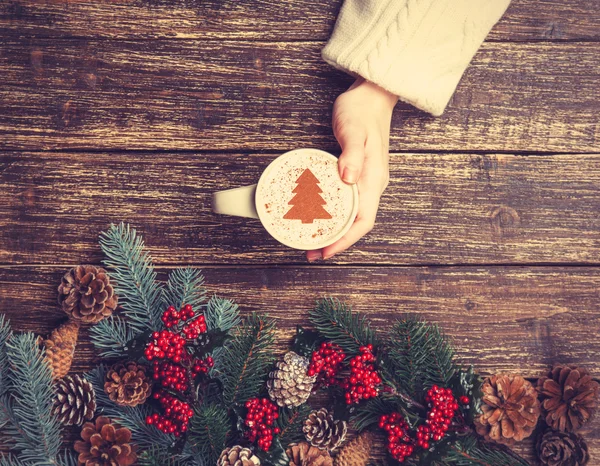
[[351, 161]]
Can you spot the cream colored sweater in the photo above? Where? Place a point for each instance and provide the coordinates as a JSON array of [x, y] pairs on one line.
[[416, 49]]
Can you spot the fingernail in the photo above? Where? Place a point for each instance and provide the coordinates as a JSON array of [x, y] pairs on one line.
[[313, 255], [350, 175]]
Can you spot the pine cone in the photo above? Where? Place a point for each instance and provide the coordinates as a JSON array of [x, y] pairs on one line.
[[562, 449], [75, 400], [105, 444], [569, 397], [238, 456], [289, 384], [510, 409], [356, 452], [127, 384], [322, 431], [85, 294], [60, 347], [303, 454]]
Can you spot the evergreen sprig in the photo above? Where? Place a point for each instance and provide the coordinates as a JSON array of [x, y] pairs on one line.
[[208, 431], [419, 356], [367, 414], [184, 286], [246, 359], [221, 314], [5, 334], [111, 335], [290, 423], [35, 432], [336, 322], [11, 460], [132, 270], [474, 451]]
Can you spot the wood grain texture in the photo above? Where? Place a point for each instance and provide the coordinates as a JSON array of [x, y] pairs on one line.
[[438, 209], [259, 19], [501, 318], [208, 95]]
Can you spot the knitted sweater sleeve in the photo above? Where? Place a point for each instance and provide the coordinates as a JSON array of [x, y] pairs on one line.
[[416, 49]]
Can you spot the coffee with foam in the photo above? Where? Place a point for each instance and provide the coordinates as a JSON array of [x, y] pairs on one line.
[[302, 202]]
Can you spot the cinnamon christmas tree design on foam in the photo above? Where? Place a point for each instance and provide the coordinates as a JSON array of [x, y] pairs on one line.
[[307, 203]]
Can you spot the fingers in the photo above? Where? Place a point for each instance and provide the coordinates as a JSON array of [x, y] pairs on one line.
[[350, 164]]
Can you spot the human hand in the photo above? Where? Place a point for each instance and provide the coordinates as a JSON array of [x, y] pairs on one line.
[[361, 124]]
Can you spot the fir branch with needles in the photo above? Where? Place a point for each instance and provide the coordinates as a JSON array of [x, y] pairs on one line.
[[290, 423], [221, 314], [184, 286], [474, 451], [208, 431], [336, 322], [5, 334], [246, 359], [36, 433], [111, 336], [132, 270]]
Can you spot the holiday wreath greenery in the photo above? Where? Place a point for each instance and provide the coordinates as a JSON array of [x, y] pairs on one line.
[[187, 380]]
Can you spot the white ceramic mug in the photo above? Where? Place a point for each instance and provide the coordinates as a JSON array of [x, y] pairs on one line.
[[300, 199]]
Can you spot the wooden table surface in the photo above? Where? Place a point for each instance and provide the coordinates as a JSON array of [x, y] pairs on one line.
[[137, 110]]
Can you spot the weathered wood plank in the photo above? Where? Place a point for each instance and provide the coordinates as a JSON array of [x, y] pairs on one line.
[[501, 318], [438, 209], [519, 319], [275, 96], [259, 19]]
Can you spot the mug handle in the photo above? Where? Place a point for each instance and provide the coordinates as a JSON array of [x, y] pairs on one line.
[[237, 201]]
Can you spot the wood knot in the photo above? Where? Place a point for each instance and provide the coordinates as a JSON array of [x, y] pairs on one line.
[[504, 221], [37, 57]]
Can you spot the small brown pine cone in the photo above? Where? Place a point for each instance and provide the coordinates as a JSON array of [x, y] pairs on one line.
[[569, 397], [238, 456], [562, 449], [105, 444], [322, 431], [510, 409], [75, 400], [85, 294], [127, 384], [289, 384], [356, 452], [304, 454], [60, 347]]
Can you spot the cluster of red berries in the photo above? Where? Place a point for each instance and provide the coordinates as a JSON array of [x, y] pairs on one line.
[[363, 382], [174, 368], [176, 415], [443, 407], [399, 445], [260, 418], [165, 345], [326, 362]]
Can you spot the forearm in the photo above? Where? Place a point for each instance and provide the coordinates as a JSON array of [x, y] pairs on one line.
[[415, 49]]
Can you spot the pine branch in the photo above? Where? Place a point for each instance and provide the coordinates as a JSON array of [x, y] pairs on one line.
[[336, 322], [135, 279], [110, 336], [184, 286], [221, 314], [159, 457], [290, 423], [36, 432], [246, 359], [473, 451], [11, 460], [5, 334], [419, 356], [208, 431], [367, 414]]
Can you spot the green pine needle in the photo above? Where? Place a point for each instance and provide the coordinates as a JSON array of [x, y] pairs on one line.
[[337, 323], [110, 336], [134, 276], [221, 314], [473, 451], [290, 423], [246, 359], [419, 356], [36, 433], [11, 460], [208, 431], [184, 286], [5, 334]]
